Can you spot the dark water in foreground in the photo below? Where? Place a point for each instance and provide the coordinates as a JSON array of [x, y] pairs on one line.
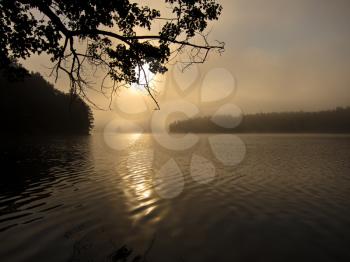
[[75, 199]]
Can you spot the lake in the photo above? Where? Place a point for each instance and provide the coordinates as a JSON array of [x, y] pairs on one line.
[[286, 198]]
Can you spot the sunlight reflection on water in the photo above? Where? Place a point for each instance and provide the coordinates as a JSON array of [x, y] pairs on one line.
[[78, 199]]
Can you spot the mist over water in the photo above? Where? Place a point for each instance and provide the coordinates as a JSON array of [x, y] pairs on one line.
[[76, 199]]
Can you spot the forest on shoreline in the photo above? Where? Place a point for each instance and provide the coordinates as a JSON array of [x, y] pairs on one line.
[[328, 121], [32, 106]]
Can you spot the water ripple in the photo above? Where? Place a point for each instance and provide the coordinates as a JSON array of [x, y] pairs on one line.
[[76, 199]]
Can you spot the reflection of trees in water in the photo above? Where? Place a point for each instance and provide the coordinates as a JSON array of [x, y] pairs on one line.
[[31, 168], [40, 185]]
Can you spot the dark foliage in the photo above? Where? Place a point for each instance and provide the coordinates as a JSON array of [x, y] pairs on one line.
[[332, 121], [31, 105], [108, 33]]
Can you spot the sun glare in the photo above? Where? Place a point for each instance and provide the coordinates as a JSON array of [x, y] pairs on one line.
[[145, 79]]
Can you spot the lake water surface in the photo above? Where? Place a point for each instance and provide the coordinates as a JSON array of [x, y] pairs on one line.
[[77, 199]]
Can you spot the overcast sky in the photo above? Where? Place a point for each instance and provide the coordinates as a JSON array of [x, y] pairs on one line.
[[284, 55], [288, 53]]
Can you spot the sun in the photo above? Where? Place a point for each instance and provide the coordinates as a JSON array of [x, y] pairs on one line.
[[146, 78]]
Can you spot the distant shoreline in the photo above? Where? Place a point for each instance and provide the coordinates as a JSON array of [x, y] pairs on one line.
[[335, 121], [100, 132], [263, 133]]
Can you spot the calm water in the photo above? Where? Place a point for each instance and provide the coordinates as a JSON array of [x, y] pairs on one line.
[[75, 199]]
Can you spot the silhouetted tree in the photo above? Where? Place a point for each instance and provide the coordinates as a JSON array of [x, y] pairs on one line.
[[111, 32], [34, 106]]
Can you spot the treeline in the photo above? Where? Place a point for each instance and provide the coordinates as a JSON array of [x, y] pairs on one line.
[[31, 105], [330, 121]]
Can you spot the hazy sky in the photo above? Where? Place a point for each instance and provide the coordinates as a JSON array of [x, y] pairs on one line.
[[288, 53], [284, 55]]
